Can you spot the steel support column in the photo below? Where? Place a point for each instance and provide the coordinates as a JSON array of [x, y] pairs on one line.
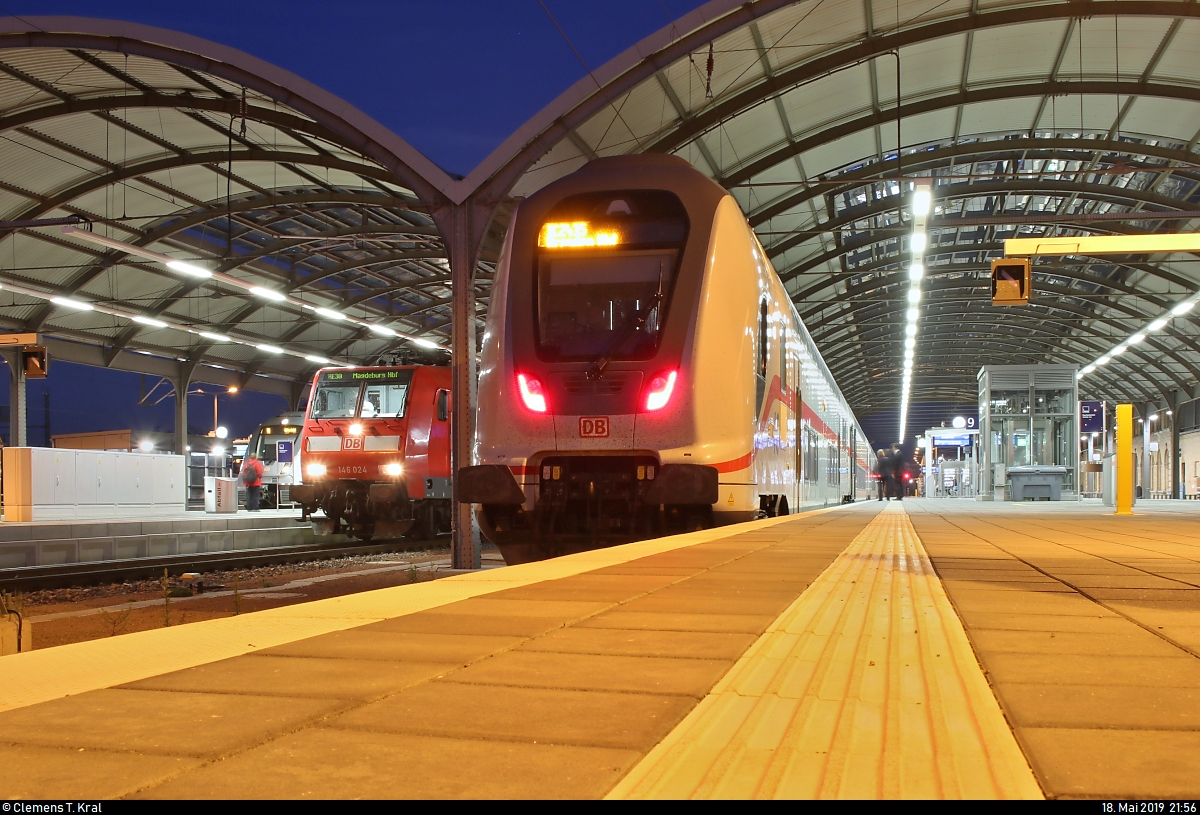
[[1148, 410], [182, 382], [1173, 404], [463, 226], [18, 412]]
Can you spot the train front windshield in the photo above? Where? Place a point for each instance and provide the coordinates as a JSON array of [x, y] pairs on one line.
[[606, 267], [266, 447], [363, 394]]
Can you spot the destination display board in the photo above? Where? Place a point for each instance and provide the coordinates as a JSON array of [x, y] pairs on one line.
[[351, 376], [1091, 417]]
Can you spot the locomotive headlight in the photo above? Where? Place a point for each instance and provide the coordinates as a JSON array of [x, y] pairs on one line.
[[315, 470], [393, 469], [356, 429]]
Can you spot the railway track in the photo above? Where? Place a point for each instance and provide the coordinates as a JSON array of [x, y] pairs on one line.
[[31, 578]]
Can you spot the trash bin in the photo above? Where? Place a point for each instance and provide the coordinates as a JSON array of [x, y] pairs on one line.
[[220, 494], [1036, 483]]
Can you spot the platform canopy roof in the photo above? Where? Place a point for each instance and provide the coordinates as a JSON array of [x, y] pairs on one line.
[[1029, 118], [1055, 117], [197, 152]]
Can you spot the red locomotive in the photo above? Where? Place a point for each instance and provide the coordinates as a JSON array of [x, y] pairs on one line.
[[377, 451]]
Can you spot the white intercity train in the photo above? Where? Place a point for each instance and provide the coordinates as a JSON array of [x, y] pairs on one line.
[[644, 371]]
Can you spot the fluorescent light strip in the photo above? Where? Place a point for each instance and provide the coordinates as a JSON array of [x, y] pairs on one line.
[[81, 306], [919, 207], [1178, 310], [193, 270]]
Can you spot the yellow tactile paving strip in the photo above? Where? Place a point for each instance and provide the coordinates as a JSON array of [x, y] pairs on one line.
[[39, 676], [866, 687]]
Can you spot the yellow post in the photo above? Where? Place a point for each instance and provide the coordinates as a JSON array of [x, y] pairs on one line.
[[1124, 460]]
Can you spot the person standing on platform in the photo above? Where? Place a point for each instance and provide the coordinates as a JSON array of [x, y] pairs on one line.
[[883, 469], [252, 473], [896, 472]]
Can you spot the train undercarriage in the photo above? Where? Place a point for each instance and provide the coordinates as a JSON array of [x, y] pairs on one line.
[[589, 502], [371, 510]]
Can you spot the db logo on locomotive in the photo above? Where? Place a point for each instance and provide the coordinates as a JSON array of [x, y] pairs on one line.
[[593, 427], [352, 443]]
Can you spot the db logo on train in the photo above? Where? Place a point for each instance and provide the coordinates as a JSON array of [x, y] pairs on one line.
[[352, 443], [593, 427]]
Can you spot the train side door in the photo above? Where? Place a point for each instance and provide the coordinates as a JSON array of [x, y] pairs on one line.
[[760, 372], [439, 433]]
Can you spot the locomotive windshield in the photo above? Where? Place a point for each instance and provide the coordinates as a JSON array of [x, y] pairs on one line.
[[606, 266], [266, 445], [338, 392]]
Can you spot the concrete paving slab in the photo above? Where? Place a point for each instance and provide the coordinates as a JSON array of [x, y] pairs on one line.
[[1101, 706], [633, 721], [1079, 763], [1187, 636], [1139, 581], [1177, 595], [664, 621], [1081, 669], [488, 605], [1028, 602], [438, 622], [685, 677], [299, 677], [168, 723], [373, 643], [692, 602], [997, 575], [607, 595], [984, 584], [627, 642], [638, 567], [1131, 642], [71, 773], [331, 764], [1104, 622]]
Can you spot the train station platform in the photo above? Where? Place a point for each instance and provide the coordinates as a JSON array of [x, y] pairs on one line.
[[32, 550], [929, 649]]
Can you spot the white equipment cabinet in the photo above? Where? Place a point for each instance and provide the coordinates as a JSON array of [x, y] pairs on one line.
[[50, 484]]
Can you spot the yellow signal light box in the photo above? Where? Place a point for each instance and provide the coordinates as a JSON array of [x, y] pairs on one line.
[[1012, 280]]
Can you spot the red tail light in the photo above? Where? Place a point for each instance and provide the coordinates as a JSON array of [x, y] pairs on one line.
[[659, 392], [531, 393]]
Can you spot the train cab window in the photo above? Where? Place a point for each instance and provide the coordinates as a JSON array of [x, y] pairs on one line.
[[335, 401], [384, 401], [606, 265], [443, 405]]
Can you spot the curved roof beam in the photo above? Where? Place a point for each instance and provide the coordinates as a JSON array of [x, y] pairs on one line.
[[935, 315], [172, 226], [880, 325], [348, 125], [875, 46], [1104, 227], [1089, 191], [971, 152]]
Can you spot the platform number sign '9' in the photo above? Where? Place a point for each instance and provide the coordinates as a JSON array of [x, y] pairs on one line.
[[593, 427]]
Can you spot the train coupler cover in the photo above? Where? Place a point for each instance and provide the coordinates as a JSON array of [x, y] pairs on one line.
[[488, 484], [684, 484]]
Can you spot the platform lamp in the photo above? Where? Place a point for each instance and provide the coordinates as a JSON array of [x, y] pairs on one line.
[[218, 432]]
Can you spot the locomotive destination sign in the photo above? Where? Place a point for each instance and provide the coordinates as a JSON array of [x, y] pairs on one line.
[[349, 376]]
